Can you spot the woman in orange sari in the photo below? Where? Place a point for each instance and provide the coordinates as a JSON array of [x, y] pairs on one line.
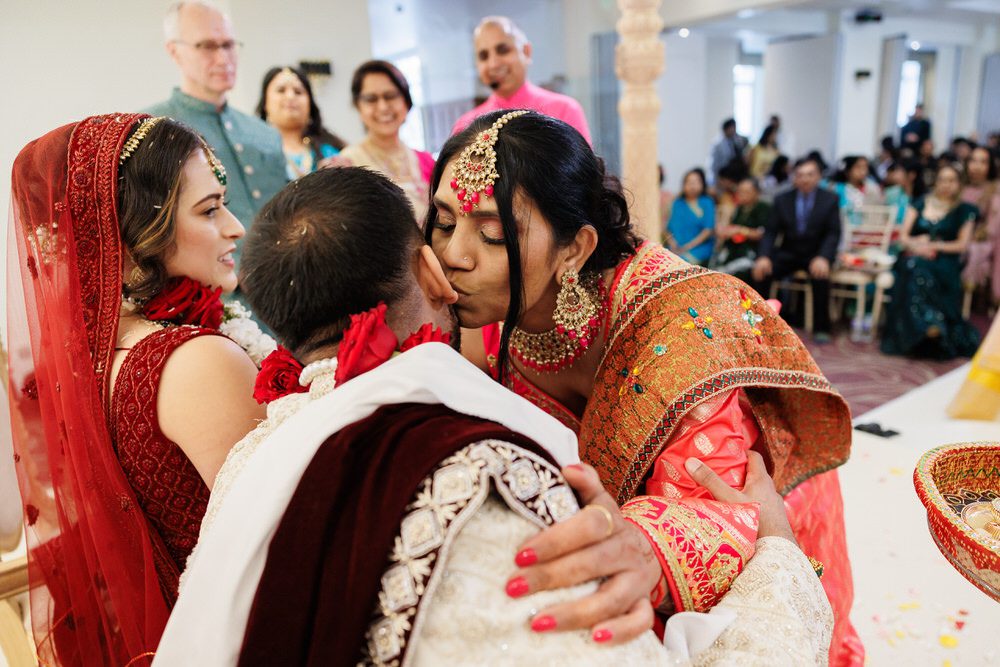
[[651, 360]]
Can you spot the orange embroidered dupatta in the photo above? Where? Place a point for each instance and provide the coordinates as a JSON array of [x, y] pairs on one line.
[[696, 364], [681, 335]]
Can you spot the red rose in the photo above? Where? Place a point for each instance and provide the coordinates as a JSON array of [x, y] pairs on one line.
[[186, 301], [278, 376], [368, 342], [425, 334]]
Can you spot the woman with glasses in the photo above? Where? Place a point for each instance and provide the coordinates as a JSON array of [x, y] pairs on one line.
[[382, 97]]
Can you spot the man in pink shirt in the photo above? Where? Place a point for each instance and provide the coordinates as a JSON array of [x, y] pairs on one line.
[[503, 54]]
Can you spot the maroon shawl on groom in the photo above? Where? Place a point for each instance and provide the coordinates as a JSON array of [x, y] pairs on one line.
[[318, 589]]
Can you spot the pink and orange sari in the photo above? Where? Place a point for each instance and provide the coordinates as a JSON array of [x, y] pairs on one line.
[[696, 364]]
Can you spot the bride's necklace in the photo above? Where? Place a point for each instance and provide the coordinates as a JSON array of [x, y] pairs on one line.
[[582, 308]]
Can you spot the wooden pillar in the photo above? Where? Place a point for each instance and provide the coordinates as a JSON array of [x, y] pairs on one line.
[[639, 63]]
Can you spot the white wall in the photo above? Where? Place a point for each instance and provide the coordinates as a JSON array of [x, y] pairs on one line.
[[858, 104], [581, 20], [802, 87], [65, 60], [721, 55], [684, 122], [960, 50]]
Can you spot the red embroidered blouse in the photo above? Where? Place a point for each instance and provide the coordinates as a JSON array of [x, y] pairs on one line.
[[169, 489]]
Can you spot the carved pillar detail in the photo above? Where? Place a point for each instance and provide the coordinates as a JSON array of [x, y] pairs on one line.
[[639, 63]]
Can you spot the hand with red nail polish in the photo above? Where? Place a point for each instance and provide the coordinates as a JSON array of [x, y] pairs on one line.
[[543, 623], [586, 547], [517, 587], [526, 557]]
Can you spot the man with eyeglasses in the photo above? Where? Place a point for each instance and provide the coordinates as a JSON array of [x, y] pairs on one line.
[[200, 41], [503, 53]]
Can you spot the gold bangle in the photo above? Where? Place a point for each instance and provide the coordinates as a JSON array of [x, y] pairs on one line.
[[817, 566], [607, 515]]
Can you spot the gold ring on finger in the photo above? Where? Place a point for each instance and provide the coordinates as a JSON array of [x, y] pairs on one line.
[[607, 515]]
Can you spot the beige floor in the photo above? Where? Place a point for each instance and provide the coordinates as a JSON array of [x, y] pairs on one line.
[[911, 607]]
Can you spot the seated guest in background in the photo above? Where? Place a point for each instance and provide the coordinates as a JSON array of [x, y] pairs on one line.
[[855, 187], [725, 191], [924, 317], [904, 184], [886, 157], [372, 495], [381, 95], [897, 189], [777, 179], [808, 220], [201, 43], [982, 189], [692, 220], [728, 148], [928, 163], [763, 155], [817, 157], [286, 103], [503, 54], [961, 148], [741, 234]]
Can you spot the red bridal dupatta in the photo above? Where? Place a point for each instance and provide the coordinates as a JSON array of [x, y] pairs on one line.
[[95, 595]]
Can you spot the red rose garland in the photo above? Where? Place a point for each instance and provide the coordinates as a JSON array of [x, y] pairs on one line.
[[278, 376], [425, 334], [367, 343], [186, 301]]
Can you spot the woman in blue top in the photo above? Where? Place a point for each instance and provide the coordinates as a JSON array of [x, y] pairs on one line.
[[855, 187], [286, 102], [691, 227]]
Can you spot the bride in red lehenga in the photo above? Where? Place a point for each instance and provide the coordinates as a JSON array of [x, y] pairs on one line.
[[125, 398]]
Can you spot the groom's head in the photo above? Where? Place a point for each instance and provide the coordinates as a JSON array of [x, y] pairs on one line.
[[336, 243]]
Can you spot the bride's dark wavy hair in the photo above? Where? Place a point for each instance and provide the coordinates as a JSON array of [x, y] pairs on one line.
[[551, 164]]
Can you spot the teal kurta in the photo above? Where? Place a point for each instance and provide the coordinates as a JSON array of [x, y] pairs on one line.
[[249, 148]]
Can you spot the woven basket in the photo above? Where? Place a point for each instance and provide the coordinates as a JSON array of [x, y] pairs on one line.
[[955, 480]]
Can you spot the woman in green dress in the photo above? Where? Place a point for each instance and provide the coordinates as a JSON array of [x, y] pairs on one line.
[[925, 318], [742, 233]]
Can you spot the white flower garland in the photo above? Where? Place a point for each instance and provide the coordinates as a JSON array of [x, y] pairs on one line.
[[238, 326]]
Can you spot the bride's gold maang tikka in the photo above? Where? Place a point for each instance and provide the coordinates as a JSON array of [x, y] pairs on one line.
[[132, 144], [476, 169]]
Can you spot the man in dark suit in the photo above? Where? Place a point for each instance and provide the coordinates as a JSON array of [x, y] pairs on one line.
[[916, 131], [802, 234]]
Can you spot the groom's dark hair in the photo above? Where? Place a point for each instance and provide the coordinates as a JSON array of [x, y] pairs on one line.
[[329, 245]]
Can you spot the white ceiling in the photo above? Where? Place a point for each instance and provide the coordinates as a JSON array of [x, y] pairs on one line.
[[963, 10], [756, 27]]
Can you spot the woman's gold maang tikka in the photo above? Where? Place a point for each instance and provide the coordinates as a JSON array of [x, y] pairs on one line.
[[476, 169]]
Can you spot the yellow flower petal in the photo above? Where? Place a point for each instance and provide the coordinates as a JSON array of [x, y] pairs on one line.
[[948, 641]]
